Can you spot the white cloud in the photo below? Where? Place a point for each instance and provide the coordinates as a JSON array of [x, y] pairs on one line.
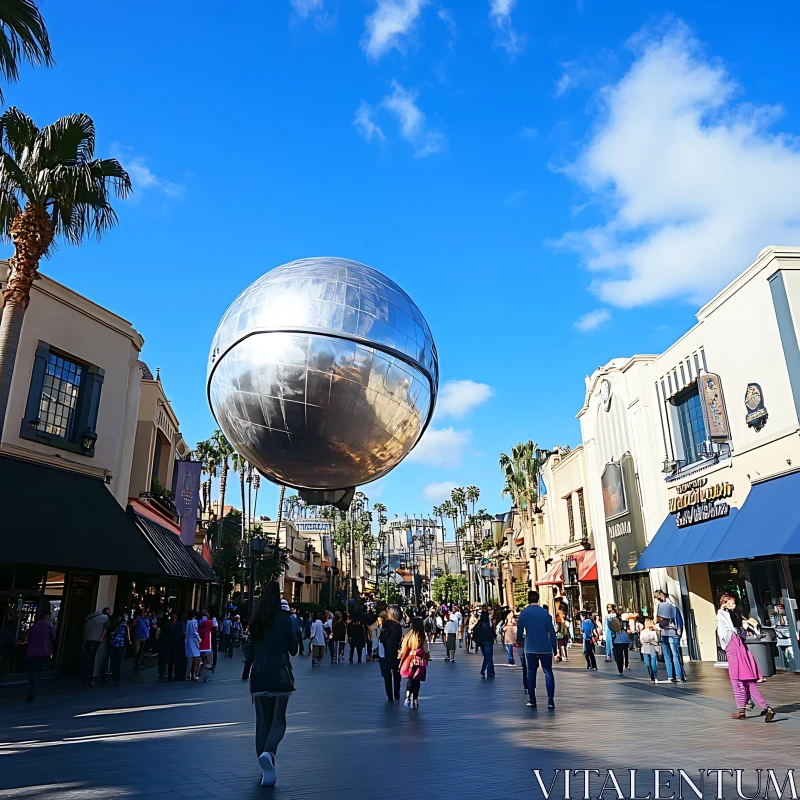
[[142, 177], [306, 7], [506, 36], [696, 184], [438, 492], [516, 197], [441, 447], [528, 133], [448, 18], [365, 124], [389, 25], [413, 124], [593, 320], [458, 398]]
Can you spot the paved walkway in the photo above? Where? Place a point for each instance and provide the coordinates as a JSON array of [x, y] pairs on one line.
[[469, 739]]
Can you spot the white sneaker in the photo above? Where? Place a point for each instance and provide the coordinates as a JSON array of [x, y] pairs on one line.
[[268, 769], [407, 702]]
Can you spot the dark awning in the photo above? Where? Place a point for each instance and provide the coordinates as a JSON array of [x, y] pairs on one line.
[[65, 520], [178, 560], [693, 544]]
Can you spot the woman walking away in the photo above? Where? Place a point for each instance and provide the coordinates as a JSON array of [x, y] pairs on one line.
[[562, 637], [388, 651], [742, 668], [510, 637], [622, 643], [338, 636], [648, 642], [451, 632], [483, 636], [192, 646], [589, 632], [271, 678], [355, 635], [414, 661], [608, 633]]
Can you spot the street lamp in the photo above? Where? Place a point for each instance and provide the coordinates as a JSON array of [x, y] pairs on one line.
[[257, 547]]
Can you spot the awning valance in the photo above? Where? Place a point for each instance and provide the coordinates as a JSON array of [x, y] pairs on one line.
[[553, 575], [587, 565], [178, 560], [693, 544], [65, 520]]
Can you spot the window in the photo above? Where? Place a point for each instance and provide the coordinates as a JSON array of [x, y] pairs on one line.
[[62, 383], [691, 425], [582, 511], [63, 401], [570, 517]]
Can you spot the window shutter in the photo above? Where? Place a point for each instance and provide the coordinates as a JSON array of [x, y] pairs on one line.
[[37, 381]]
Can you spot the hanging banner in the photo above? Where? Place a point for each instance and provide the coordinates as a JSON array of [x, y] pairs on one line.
[[187, 497]]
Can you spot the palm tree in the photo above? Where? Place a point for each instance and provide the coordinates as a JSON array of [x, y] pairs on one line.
[[224, 450], [280, 509], [207, 456], [50, 187], [23, 37]]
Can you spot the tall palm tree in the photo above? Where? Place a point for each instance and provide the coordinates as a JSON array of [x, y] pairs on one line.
[[205, 453], [224, 451], [280, 510], [50, 187], [23, 37]]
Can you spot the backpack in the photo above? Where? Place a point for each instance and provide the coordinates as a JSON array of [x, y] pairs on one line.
[[418, 668], [615, 625]]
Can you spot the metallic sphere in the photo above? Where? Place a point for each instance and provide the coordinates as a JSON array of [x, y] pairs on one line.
[[323, 374]]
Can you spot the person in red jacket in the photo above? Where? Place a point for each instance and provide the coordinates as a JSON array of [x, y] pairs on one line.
[[205, 629]]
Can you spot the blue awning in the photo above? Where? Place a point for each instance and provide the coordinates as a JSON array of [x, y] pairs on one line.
[[768, 523], [693, 544]]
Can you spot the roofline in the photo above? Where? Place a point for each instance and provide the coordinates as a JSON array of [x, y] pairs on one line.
[[600, 372]]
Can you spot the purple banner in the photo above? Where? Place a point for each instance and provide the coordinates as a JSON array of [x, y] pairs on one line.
[[187, 497]]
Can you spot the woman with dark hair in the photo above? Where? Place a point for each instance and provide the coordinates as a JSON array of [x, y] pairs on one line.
[[743, 670], [483, 636], [271, 677], [389, 642]]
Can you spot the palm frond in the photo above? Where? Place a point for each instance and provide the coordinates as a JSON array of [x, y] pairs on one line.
[[18, 133], [69, 140], [23, 36]]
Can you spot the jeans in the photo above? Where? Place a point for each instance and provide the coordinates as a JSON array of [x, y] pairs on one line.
[[358, 648], [533, 661], [510, 649], [621, 655], [391, 679], [35, 667], [227, 646], [117, 654], [90, 649], [139, 646], [176, 667], [488, 659], [270, 722], [588, 652], [671, 646], [651, 662], [163, 660]]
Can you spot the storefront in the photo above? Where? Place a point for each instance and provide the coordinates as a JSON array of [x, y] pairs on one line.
[[751, 553], [578, 592], [75, 554]]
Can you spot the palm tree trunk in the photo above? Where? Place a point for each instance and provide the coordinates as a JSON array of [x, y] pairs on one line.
[[223, 484], [10, 331], [32, 233], [280, 512]]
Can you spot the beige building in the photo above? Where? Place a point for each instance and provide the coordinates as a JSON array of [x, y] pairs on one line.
[[65, 470]]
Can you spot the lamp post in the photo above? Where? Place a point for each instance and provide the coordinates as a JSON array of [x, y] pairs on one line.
[[257, 548]]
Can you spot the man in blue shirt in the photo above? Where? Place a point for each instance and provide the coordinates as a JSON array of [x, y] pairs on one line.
[[535, 627]]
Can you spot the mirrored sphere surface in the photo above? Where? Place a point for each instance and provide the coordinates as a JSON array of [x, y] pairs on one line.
[[323, 373]]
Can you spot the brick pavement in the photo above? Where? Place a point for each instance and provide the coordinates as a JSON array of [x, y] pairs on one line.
[[471, 738]]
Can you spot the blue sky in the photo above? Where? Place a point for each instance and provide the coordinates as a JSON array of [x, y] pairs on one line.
[[555, 184]]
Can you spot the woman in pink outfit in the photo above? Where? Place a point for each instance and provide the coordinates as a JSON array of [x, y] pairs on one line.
[[743, 670]]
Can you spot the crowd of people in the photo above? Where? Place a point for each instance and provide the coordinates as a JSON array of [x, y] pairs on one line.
[[399, 639]]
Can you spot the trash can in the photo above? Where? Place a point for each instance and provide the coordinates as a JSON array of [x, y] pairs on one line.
[[761, 648]]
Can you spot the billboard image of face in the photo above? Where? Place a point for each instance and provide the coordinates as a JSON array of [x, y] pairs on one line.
[[614, 503]]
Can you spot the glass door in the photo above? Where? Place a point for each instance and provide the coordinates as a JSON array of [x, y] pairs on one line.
[[772, 609]]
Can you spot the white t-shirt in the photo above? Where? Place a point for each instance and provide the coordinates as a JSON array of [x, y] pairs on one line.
[[456, 615], [439, 622], [451, 626], [318, 634]]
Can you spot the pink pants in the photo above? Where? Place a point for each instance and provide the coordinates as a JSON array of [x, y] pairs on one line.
[[745, 690]]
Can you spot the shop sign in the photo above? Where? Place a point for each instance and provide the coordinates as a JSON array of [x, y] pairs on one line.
[[623, 512], [754, 403], [309, 526], [187, 497], [714, 407], [697, 501]]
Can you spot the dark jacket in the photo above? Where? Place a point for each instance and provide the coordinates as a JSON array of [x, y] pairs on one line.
[[483, 633], [391, 637], [355, 632], [272, 669]]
